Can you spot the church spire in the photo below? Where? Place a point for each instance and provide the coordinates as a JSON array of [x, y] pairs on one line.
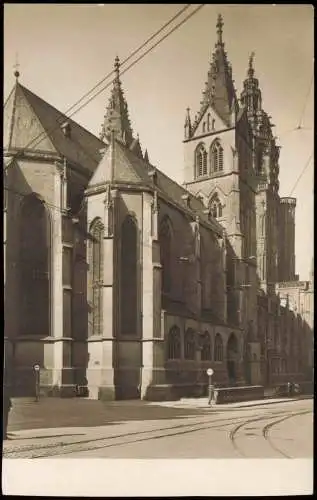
[[219, 89], [251, 69], [251, 97], [219, 26], [117, 116]]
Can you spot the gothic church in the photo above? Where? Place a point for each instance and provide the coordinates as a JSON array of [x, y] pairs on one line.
[[119, 282]]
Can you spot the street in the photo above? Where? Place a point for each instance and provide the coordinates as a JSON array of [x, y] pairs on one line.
[[139, 430]]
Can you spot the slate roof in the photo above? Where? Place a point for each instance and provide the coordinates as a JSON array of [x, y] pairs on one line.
[[81, 148]]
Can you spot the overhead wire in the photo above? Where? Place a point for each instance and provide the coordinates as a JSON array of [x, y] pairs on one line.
[[305, 102], [302, 173], [46, 133]]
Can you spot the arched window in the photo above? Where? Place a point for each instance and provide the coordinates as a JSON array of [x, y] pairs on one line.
[[96, 277], [35, 257], [204, 127], [174, 343], [206, 347], [189, 344], [208, 122], [165, 239], [201, 161], [215, 207], [213, 124], [216, 157], [218, 348], [128, 273]]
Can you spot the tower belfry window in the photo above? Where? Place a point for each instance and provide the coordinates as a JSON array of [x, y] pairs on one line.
[[216, 157], [201, 161]]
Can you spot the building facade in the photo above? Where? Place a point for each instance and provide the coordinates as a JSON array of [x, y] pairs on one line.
[[119, 282]]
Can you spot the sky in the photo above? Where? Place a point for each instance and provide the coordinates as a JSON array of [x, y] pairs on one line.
[[66, 49]]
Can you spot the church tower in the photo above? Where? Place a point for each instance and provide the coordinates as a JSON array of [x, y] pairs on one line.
[[219, 170], [265, 157]]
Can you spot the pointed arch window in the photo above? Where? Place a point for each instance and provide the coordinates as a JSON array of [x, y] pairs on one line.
[[216, 157], [206, 347], [215, 207], [96, 258], [208, 122], [218, 348], [174, 343], [35, 268], [165, 239], [189, 344], [201, 161], [128, 281]]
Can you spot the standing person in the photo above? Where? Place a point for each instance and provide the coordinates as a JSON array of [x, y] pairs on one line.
[[7, 405]]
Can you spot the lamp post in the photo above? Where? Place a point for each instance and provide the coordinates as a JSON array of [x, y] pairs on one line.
[[210, 373], [36, 369]]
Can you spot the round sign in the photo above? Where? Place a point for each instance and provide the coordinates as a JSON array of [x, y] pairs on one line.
[[36, 367], [210, 372]]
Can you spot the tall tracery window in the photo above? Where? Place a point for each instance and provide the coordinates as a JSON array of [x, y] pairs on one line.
[[215, 207], [174, 343], [165, 239], [35, 256], [129, 271], [96, 277], [216, 157], [201, 161], [218, 348], [206, 347], [189, 344]]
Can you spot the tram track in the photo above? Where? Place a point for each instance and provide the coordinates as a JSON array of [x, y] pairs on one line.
[[266, 429], [264, 432], [62, 448]]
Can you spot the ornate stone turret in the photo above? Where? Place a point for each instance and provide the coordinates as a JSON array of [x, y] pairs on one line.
[[251, 96], [136, 147], [146, 157], [117, 116], [188, 125]]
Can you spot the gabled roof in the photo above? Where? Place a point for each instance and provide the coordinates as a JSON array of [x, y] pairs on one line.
[[121, 165], [26, 116]]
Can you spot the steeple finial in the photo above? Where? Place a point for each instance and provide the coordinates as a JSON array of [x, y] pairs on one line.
[[16, 66], [251, 68], [219, 28], [117, 67]]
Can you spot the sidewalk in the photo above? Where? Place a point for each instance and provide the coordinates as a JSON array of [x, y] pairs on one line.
[[203, 403]]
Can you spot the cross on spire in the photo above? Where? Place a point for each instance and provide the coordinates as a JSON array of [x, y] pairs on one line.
[[17, 66], [219, 28]]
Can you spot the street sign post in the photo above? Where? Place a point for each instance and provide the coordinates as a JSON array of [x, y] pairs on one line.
[[210, 373], [36, 369]]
